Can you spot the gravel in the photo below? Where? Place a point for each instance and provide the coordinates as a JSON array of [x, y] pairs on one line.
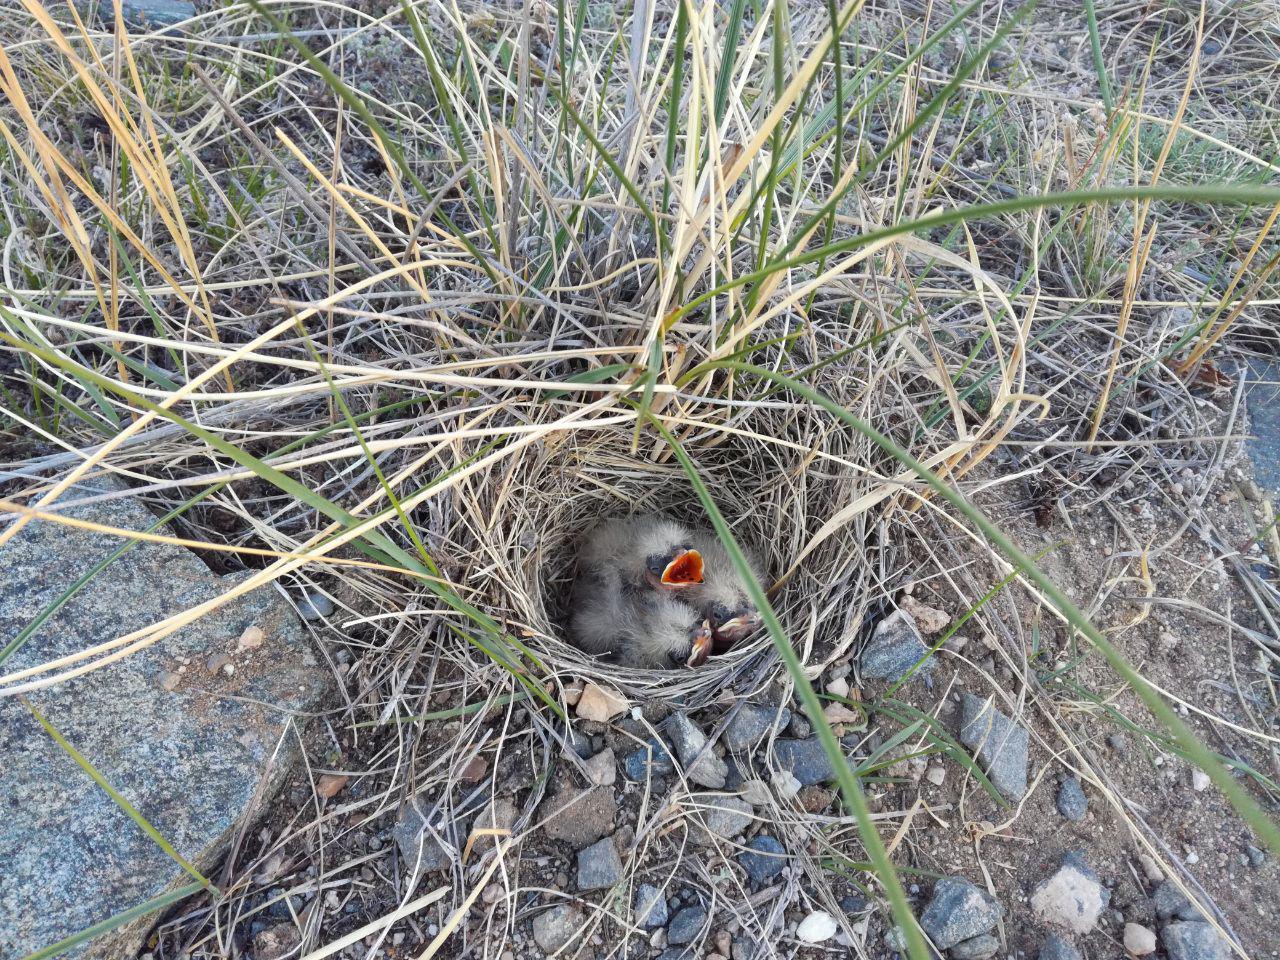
[[722, 819], [958, 911], [751, 723], [1072, 803], [1072, 898], [1138, 940], [554, 928], [894, 648], [1194, 940], [999, 744], [652, 760], [687, 738], [599, 866], [651, 907], [1169, 904], [686, 925], [804, 759], [982, 947], [763, 860], [1055, 948], [817, 927]]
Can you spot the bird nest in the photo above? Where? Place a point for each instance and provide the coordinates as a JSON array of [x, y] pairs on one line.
[[778, 472]]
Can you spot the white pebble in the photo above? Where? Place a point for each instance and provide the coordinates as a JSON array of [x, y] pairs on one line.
[[817, 927], [1199, 780]]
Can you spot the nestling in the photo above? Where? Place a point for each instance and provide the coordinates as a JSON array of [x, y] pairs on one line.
[[722, 596], [650, 550], [627, 598]]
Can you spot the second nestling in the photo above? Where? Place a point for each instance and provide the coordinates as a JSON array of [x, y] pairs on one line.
[[651, 592]]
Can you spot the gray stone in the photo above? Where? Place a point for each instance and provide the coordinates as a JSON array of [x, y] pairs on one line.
[[651, 760], [701, 766], [1194, 940], [1055, 948], [1072, 898], [196, 752], [894, 648], [1170, 903], [1255, 854], [554, 928], [764, 859], [143, 13], [976, 948], [1263, 444], [599, 866], [427, 841], [805, 760], [999, 744], [722, 818], [750, 724], [686, 925], [314, 605], [1072, 803], [578, 817], [958, 911], [678, 953], [651, 907]]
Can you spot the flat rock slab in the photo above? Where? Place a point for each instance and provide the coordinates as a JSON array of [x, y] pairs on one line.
[[192, 745], [999, 744], [895, 649]]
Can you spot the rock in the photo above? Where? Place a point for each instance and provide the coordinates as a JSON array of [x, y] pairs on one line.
[[600, 704], [678, 953], [837, 714], [936, 775], [1194, 940], [763, 860], [1169, 902], [599, 866], [1138, 940], [144, 14], [976, 948], [785, 785], [804, 759], [756, 792], [999, 745], [958, 911], [815, 799], [799, 727], [751, 723], [1150, 869], [701, 766], [650, 907], [817, 927], [1199, 780], [686, 925], [197, 760], [602, 769], [314, 605], [1255, 854], [498, 815], [576, 817], [1072, 803], [652, 760], [1072, 898], [1055, 948], [894, 648], [553, 929], [838, 687], [425, 838], [723, 818], [927, 619]]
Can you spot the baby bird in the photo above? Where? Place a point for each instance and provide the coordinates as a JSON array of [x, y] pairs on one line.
[[627, 598], [722, 596], [652, 550]]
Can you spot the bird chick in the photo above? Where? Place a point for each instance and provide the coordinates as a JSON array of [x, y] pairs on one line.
[[722, 596], [644, 628], [646, 551]]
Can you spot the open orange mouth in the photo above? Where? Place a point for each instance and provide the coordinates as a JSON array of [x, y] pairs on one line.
[[685, 570]]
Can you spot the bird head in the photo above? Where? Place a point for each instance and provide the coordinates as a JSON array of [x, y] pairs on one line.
[[677, 570], [731, 624]]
